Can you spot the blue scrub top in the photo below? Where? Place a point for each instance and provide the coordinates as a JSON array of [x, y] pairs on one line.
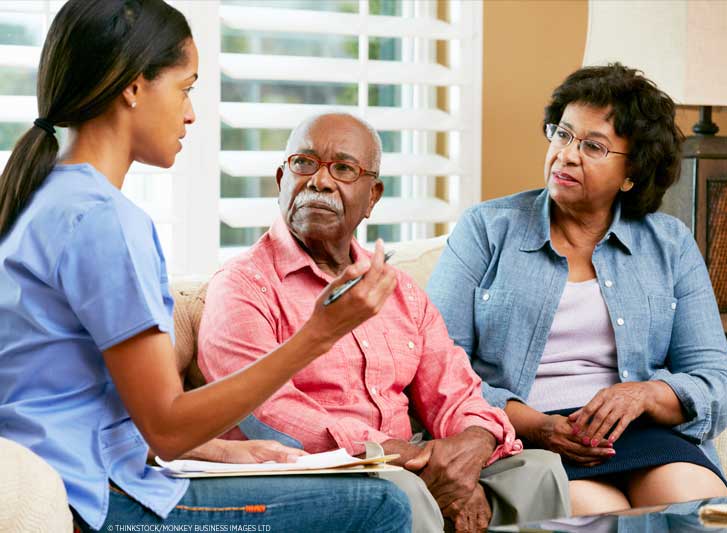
[[80, 271]]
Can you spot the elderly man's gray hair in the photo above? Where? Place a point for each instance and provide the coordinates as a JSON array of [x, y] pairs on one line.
[[375, 138]]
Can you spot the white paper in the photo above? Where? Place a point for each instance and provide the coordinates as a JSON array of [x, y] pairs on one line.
[[314, 461]]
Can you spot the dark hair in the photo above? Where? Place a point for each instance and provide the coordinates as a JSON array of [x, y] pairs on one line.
[[93, 51], [641, 113]]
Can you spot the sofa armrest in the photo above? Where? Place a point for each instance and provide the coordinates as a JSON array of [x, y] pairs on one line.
[[32, 494]]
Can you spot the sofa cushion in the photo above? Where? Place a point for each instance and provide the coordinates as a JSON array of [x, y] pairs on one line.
[[32, 495], [417, 258], [189, 295], [721, 444]]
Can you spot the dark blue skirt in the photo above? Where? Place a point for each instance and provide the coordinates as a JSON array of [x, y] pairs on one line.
[[644, 444]]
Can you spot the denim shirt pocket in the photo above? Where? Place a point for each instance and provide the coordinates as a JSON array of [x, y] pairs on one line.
[[661, 319], [493, 310]]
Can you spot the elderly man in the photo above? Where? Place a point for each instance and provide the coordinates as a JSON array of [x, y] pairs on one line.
[[362, 389]]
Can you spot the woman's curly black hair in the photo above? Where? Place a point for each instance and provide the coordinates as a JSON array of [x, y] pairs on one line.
[[642, 114]]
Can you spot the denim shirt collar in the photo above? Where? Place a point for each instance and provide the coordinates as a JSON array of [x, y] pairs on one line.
[[538, 232]]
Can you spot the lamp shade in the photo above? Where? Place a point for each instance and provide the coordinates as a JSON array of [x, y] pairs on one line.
[[679, 44]]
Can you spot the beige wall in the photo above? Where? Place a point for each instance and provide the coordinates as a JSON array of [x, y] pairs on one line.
[[520, 72]]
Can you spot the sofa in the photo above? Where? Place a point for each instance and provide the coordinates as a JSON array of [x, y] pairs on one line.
[[32, 495], [417, 258]]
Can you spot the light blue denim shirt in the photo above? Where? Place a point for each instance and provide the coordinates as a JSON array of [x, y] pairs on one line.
[[499, 282], [80, 271]]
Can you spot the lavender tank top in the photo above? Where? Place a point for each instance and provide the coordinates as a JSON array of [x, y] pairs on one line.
[[579, 357]]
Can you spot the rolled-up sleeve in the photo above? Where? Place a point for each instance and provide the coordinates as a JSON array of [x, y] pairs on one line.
[[498, 396], [697, 356]]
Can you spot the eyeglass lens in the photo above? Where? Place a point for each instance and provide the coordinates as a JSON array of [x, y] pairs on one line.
[[340, 170], [561, 137]]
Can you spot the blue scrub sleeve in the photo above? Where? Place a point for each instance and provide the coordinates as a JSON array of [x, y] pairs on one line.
[[113, 276]]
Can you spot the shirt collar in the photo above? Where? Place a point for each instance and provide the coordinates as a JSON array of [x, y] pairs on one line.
[[538, 232], [289, 256]]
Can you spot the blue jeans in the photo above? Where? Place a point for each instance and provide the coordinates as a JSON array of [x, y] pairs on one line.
[[272, 503]]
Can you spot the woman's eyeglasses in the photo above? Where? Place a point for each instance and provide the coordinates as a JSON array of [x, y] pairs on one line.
[[561, 137]]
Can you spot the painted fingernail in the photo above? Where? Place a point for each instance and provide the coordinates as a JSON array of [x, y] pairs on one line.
[[594, 442], [586, 441], [576, 430], [611, 451]]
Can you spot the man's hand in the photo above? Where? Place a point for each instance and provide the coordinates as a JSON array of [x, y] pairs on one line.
[[412, 457], [474, 515], [557, 435], [452, 471]]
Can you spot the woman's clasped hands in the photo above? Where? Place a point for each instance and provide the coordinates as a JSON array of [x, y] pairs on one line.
[[587, 435], [558, 435], [610, 412]]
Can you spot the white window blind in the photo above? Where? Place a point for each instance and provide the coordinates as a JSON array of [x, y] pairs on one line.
[[414, 76], [412, 68], [23, 25]]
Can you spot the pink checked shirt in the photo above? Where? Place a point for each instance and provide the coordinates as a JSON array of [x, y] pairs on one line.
[[362, 388]]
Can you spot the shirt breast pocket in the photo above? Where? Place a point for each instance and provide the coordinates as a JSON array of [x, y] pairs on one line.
[[661, 310], [406, 355], [493, 309]]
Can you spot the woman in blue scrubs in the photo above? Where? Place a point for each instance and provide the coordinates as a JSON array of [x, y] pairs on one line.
[[87, 372]]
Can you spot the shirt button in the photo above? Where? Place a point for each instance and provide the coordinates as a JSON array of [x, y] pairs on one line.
[[257, 276], [486, 296], [373, 390], [408, 285], [608, 283], [410, 298], [625, 373], [620, 321], [365, 344], [410, 344], [264, 289], [673, 305]]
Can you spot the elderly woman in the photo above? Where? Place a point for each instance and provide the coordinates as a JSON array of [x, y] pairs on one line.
[[591, 317]]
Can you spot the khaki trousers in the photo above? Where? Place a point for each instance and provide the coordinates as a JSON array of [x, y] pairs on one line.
[[527, 487]]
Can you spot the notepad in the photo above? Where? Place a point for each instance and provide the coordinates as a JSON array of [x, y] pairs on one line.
[[333, 462]]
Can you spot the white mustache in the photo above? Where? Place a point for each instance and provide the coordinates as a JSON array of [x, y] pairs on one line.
[[306, 196]]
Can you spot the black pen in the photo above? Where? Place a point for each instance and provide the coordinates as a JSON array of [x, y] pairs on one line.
[[343, 289]]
